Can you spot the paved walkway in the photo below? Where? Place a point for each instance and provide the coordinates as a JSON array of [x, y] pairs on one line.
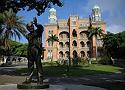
[[54, 87]]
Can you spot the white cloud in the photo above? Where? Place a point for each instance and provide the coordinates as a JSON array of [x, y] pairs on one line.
[[115, 28]]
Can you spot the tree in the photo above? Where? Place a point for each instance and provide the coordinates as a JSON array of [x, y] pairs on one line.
[[95, 33], [18, 49], [38, 5], [52, 39], [12, 27], [111, 44], [114, 44]]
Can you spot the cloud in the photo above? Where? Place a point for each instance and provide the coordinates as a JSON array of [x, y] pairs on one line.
[[113, 12], [115, 28]]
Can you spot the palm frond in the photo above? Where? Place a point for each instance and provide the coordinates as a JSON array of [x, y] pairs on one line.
[[13, 26]]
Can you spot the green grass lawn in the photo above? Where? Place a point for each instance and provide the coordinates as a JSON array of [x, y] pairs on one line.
[[80, 71], [75, 71]]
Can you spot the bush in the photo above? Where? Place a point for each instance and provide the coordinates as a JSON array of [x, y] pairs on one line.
[[104, 60], [82, 61]]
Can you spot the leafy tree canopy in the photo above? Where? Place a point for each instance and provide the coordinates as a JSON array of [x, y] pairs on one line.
[[115, 44], [18, 49], [38, 5]]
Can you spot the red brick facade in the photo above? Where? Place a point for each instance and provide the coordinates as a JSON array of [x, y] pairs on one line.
[[72, 34]]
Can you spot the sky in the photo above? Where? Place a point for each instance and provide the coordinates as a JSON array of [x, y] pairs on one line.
[[113, 13]]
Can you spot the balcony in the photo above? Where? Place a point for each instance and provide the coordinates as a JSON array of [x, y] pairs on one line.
[[83, 28], [64, 39], [85, 48], [63, 28], [74, 38], [64, 49], [83, 39]]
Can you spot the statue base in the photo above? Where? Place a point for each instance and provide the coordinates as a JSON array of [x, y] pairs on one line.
[[34, 85]]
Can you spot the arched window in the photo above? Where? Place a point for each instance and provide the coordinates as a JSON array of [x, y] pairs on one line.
[[74, 33], [82, 44], [74, 43], [89, 53], [67, 54], [83, 34], [82, 54], [64, 34], [49, 43], [61, 54], [88, 44], [67, 44], [61, 44], [74, 54], [50, 33], [61, 36], [49, 54]]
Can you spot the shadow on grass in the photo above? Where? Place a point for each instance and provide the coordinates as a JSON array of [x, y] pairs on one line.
[[61, 71], [54, 71]]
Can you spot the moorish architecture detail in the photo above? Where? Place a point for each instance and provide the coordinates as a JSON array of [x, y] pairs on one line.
[[72, 34]]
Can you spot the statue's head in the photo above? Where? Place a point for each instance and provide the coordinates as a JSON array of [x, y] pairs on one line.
[[30, 27]]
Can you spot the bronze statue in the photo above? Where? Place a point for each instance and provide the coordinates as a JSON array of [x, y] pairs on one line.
[[35, 50]]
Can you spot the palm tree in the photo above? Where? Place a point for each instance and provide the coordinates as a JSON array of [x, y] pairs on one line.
[[97, 31], [52, 39], [12, 27], [93, 34]]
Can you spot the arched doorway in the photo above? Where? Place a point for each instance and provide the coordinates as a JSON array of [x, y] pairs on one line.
[[74, 43], [82, 54], [61, 44], [74, 54], [88, 44], [89, 54], [74, 33], [67, 54], [60, 54], [67, 44]]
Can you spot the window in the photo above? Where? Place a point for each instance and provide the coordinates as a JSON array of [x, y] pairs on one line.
[[73, 22], [49, 53], [50, 33], [82, 54], [67, 44], [49, 43], [61, 54], [60, 44], [74, 43], [82, 44], [74, 33]]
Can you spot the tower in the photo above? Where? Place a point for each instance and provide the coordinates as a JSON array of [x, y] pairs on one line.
[[52, 16], [96, 13]]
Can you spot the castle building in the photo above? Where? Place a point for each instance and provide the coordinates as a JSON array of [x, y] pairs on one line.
[[72, 35]]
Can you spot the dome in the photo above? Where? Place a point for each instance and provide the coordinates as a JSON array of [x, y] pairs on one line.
[[52, 10], [96, 7]]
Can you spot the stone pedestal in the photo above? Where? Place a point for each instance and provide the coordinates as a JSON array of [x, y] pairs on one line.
[[34, 85]]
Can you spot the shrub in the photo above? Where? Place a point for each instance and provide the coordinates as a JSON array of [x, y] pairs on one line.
[[104, 60]]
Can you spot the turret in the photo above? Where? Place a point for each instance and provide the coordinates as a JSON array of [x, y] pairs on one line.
[[52, 16], [96, 13]]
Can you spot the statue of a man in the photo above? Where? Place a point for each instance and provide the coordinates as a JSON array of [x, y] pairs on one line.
[[35, 50]]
